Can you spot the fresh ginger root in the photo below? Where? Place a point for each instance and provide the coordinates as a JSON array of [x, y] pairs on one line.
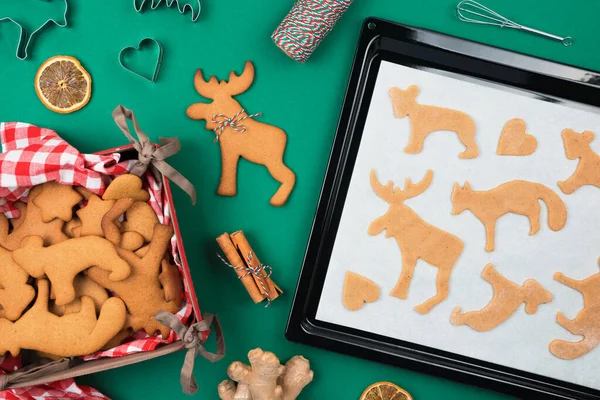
[[266, 378]]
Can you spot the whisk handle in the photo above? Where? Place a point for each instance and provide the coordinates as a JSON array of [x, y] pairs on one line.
[[566, 41]]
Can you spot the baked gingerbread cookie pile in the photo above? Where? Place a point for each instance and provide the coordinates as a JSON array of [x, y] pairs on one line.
[[417, 239], [80, 273]]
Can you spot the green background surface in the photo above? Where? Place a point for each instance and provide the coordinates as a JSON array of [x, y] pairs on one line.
[[304, 100]]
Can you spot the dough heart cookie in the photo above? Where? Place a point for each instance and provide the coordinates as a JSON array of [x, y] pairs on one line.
[[127, 185], [514, 141], [359, 290]]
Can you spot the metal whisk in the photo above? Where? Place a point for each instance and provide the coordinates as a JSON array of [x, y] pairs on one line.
[[476, 13]]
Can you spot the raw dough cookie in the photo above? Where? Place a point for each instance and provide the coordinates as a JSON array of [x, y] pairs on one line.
[[508, 296], [519, 197], [577, 145], [514, 141], [416, 238], [71, 335], [15, 293], [143, 291], [359, 290], [255, 141], [586, 323], [428, 119], [127, 185], [63, 261], [56, 201]]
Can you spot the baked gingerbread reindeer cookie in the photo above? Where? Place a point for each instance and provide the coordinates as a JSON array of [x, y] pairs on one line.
[[577, 145], [508, 297], [586, 323], [416, 238], [519, 197], [428, 119], [239, 134]]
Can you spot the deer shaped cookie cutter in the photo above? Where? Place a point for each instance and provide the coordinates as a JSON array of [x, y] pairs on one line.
[[239, 134], [416, 238]]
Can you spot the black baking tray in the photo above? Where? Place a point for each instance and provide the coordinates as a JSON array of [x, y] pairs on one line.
[[383, 40]]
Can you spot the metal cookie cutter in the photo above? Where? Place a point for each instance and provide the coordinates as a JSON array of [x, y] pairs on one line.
[[139, 6], [24, 40], [154, 77]]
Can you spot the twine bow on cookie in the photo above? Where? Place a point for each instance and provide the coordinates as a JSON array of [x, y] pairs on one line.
[[151, 155], [235, 123], [261, 272], [192, 339]]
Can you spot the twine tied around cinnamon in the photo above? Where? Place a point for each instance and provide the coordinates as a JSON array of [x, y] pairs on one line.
[[192, 338], [261, 272], [235, 122], [151, 155]]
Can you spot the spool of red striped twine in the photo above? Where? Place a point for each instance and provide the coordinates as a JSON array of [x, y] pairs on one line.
[[306, 25]]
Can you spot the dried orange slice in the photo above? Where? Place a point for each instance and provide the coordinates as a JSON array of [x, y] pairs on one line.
[[63, 85], [385, 391]]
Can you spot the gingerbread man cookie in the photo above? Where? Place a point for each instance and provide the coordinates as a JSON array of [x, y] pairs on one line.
[[577, 145], [507, 298], [144, 291], [514, 141], [71, 335], [61, 262]]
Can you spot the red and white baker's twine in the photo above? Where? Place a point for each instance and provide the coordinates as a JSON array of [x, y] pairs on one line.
[[306, 25], [261, 272], [223, 122]]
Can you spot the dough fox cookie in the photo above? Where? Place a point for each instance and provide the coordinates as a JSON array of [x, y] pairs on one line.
[[63, 261], [143, 291], [577, 145], [359, 290], [428, 119], [71, 335], [514, 141], [507, 298], [519, 197], [416, 238]]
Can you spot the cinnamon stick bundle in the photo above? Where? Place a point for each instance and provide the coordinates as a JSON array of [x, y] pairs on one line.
[[237, 250]]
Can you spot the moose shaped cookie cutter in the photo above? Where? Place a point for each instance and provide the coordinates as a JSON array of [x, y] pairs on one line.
[[25, 41], [239, 134], [183, 9]]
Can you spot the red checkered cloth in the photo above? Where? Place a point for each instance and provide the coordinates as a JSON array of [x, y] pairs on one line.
[[33, 155], [59, 390]]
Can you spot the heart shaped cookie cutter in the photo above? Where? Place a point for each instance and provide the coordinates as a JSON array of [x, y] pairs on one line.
[[157, 65]]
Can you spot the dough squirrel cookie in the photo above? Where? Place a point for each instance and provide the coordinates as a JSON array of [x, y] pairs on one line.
[[61, 262], [71, 335], [428, 119], [140, 218], [586, 323], [127, 185], [359, 290], [143, 291], [577, 145], [519, 197], [91, 215], [507, 298], [240, 135], [514, 141], [416, 239], [56, 200], [84, 286], [32, 224], [15, 293]]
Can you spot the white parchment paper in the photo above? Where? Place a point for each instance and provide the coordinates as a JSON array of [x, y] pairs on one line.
[[522, 341]]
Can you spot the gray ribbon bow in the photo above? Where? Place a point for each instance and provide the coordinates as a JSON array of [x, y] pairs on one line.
[[32, 373], [192, 338], [150, 155]]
